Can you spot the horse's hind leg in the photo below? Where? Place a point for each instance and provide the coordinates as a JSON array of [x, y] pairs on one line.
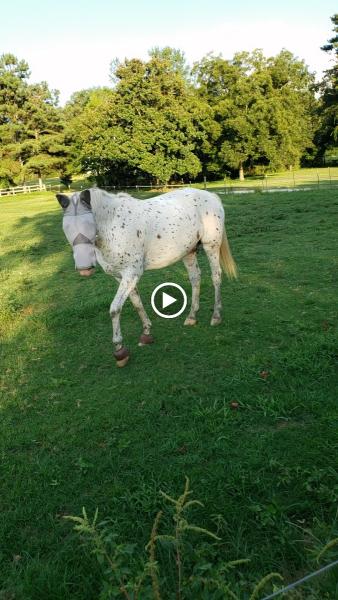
[[212, 252], [191, 264], [146, 337]]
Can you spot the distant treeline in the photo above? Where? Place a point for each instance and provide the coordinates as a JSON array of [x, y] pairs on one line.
[[162, 121]]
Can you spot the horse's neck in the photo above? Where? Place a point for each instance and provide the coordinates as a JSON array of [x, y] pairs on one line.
[[104, 206]]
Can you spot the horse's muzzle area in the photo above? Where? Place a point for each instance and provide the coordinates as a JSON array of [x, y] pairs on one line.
[[87, 272]]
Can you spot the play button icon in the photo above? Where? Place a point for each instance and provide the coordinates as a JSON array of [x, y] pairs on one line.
[[167, 300], [161, 300]]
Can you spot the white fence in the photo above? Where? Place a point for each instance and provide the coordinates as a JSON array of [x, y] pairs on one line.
[[22, 189]]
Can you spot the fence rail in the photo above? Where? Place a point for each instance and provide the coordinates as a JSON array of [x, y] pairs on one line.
[[22, 189], [228, 186]]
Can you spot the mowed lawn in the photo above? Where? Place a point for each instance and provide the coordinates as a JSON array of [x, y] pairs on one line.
[[76, 431]]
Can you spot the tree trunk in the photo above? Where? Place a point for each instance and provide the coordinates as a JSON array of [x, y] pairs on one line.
[[241, 172]]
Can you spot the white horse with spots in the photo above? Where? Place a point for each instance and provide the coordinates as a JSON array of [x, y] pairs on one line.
[[127, 236]]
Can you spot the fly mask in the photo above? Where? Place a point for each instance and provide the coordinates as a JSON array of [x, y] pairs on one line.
[[80, 229]]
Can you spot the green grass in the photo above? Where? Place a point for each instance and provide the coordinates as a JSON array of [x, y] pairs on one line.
[[76, 431], [321, 177]]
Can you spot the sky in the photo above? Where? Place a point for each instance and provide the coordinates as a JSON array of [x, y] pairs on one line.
[[71, 43]]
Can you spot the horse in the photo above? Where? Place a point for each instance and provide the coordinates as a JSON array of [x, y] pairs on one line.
[[127, 236]]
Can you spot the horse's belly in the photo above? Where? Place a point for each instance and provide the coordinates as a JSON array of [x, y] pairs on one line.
[[158, 262], [162, 253]]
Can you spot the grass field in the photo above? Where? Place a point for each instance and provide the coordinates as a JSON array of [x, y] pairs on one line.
[[76, 431], [321, 177]]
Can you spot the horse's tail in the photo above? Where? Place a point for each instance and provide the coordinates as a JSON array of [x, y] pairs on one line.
[[226, 260]]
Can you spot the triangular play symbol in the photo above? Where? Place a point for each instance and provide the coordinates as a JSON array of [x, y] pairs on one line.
[[167, 300]]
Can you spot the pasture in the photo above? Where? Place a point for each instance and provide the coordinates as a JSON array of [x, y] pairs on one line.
[[76, 431]]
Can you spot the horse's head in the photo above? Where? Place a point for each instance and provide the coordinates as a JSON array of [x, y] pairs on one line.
[[80, 230]]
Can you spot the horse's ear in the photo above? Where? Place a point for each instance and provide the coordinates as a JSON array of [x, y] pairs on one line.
[[63, 200], [85, 198]]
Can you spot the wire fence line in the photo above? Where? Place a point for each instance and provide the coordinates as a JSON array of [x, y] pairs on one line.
[[293, 181], [291, 586]]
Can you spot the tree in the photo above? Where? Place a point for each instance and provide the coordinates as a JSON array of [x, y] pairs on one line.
[[13, 96], [262, 108], [31, 128], [44, 150], [292, 111], [71, 111], [327, 135], [173, 57], [146, 126]]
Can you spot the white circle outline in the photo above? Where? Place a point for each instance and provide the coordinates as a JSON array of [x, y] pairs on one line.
[[185, 300]]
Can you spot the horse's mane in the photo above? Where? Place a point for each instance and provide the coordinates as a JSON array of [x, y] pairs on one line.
[[101, 199], [111, 195], [124, 196]]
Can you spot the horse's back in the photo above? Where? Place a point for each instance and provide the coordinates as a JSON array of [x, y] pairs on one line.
[[187, 200], [177, 221], [173, 226], [208, 213]]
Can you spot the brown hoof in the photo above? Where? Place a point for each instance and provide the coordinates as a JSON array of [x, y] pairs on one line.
[[190, 321], [123, 362], [121, 356], [146, 338]]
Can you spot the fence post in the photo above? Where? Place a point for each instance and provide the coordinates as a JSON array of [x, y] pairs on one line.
[[205, 182]]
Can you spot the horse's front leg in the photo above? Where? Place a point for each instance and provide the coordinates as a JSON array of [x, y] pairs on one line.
[[146, 337], [127, 285]]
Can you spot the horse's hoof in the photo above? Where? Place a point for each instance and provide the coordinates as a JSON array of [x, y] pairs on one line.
[[123, 362], [190, 321], [146, 338], [216, 321], [121, 356]]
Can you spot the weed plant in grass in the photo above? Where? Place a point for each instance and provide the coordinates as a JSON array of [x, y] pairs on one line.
[[76, 431], [128, 576]]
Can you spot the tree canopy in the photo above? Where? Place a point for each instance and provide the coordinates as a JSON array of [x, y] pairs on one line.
[[147, 125], [327, 134], [31, 125], [263, 108]]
